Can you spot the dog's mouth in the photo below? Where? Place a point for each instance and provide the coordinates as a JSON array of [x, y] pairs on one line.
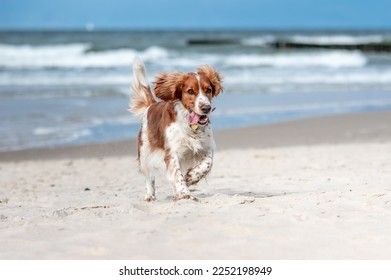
[[194, 118]]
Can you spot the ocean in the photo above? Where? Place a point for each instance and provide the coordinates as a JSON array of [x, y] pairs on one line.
[[60, 88]]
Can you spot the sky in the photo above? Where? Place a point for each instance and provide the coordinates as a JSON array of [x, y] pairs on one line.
[[195, 14]]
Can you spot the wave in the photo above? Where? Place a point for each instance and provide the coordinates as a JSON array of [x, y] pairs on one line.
[[45, 79], [338, 39], [232, 78], [262, 41], [332, 59], [236, 81], [72, 56], [269, 40], [79, 56], [326, 59], [266, 78], [285, 71]]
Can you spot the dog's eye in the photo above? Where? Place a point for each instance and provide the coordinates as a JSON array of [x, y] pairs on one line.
[[208, 90], [190, 91]]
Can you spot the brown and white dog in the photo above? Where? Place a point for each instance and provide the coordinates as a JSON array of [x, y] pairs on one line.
[[176, 135]]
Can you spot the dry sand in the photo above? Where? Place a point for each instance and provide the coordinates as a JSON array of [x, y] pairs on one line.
[[309, 189]]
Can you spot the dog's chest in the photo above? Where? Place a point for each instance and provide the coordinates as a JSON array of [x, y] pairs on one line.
[[182, 139]]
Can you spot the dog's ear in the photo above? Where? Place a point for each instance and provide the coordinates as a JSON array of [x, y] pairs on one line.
[[214, 77], [168, 86]]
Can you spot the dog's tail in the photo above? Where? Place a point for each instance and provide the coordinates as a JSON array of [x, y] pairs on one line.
[[142, 96]]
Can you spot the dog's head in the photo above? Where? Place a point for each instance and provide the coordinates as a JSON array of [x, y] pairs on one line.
[[194, 90]]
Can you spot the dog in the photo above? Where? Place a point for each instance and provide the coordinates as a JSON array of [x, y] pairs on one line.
[[176, 136]]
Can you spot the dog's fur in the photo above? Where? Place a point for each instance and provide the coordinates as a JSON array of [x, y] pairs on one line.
[[176, 136]]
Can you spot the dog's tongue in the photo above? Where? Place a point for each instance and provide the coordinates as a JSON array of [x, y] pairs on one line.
[[193, 118]]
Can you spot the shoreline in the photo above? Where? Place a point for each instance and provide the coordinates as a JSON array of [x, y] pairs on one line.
[[331, 129]]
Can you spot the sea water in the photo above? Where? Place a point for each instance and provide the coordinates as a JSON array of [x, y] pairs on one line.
[[65, 88]]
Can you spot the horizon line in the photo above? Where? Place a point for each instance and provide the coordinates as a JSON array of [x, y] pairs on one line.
[[192, 29]]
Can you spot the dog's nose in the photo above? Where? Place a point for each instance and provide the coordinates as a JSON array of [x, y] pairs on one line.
[[205, 108]]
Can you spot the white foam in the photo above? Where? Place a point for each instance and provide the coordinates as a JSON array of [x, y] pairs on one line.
[[73, 132], [45, 136], [338, 39], [72, 56], [154, 53], [329, 59], [266, 78], [77, 56], [234, 79], [74, 80], [258, 41], [45, 130]]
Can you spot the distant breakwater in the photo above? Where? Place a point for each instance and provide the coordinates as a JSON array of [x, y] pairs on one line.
[[372, 47], [367, 47]]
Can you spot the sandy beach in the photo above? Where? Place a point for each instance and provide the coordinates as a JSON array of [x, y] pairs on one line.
[[316, 188]]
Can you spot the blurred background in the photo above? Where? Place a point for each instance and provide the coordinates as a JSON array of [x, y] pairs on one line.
[[65, 65]]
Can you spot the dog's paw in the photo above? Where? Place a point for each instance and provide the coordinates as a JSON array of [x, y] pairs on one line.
[[191, 180], [150, 198], [185, 195]]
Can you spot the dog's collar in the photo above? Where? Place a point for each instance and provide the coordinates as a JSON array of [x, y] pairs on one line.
[[196, 126]]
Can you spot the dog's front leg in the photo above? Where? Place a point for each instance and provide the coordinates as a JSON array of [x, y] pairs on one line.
[[176, 178], [195, 174]]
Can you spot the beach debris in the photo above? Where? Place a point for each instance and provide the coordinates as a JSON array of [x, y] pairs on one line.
[[4, 200], [93, 207]]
